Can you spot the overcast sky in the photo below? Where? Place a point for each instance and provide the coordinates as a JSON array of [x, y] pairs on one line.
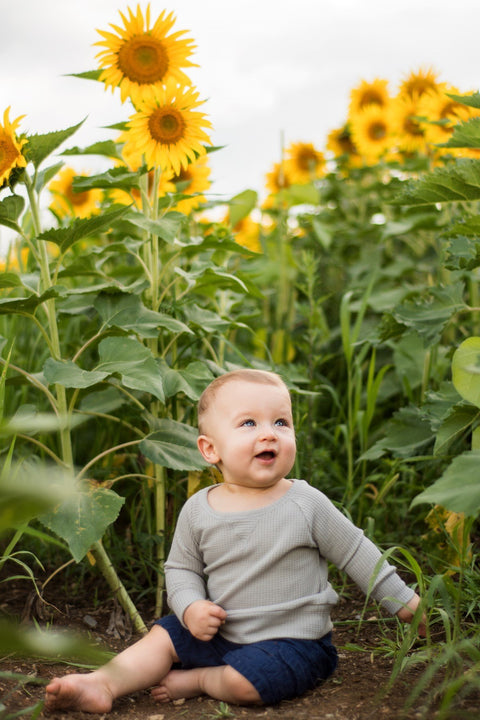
[[267, 67]]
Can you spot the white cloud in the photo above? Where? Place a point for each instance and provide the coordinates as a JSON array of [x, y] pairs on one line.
[[266, 66]]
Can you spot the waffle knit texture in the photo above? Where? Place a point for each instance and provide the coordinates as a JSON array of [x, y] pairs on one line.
[[268, 568]]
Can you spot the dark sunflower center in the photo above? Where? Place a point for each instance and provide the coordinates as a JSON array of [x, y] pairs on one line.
[[377, 131], [412, 127], [371, 97], [166, 125], [346, 143], [143, 60], [184, 179], [8, 153], [76, 198], [307, 160]]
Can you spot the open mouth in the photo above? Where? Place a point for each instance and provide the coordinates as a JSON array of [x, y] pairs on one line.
[[266, 455]]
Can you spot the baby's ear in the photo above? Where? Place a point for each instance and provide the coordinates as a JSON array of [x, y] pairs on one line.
[[207, 448]]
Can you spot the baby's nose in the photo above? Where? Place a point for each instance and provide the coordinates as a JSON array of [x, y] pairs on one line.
[[268, 432]]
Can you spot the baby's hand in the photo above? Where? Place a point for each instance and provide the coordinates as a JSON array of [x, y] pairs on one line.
[[203, 618], [405, 614]]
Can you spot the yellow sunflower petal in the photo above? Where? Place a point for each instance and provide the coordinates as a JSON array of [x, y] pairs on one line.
[[167, 130], [139, 58], [410, 131], [372, 132], [68, 203], [418, 82], [369, 93], [304, 162], [11, 156]]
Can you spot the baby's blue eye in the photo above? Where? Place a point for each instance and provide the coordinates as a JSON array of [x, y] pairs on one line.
[[281, 422], [249, 423]]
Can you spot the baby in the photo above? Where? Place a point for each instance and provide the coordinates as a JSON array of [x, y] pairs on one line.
[[247, 573]]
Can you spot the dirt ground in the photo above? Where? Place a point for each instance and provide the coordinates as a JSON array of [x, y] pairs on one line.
[[352, 693]]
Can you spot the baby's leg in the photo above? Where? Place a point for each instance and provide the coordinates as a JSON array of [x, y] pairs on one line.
[[222, 683], [139, 666]]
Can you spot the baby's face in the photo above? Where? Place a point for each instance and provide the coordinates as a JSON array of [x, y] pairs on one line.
[[251, 429]]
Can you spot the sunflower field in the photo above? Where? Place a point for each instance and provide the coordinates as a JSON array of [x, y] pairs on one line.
[[355, 276]]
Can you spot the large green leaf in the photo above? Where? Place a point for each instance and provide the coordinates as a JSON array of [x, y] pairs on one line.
[[167, 227], [82, 519], [241, 205], [208, 279], [117, 177], [106, 148], [191, 381], [406, 435], [463, 252], [472, 100], [173, 445], [44, 176], [9, 280], [458, 489], [466, 370], [465, 135], [454, 183], [41, 146], [134, 363], [429, 313], [127, 311], [205, 319], [10, 210], [27, 491], [300, 194], [87, 75], [29, 304], [68, 374], [458, 422], [82, 227], [31, 642]]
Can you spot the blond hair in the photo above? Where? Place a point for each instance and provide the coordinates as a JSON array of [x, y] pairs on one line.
[[262, 377]]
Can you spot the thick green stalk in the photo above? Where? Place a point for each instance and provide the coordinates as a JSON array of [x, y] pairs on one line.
[[119, 592], [97, 550], [62, 408], [150, 209]]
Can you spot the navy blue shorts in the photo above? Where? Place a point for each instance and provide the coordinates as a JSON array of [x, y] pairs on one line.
[[278, 669]]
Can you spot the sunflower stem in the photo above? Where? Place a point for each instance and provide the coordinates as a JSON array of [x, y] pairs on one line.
[[50, 307], [104, 563], [150, 209]]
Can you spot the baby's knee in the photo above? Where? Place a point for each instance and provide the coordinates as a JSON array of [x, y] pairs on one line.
[[240, 688]]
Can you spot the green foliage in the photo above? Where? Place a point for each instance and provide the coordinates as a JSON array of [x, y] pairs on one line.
[[364, 296]]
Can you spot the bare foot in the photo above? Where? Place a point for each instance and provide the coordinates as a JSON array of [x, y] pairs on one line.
[[78, 692], [178, 684]]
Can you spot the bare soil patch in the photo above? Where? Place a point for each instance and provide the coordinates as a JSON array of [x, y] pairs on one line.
[[354, 692]]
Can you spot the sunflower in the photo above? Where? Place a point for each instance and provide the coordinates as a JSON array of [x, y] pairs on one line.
[[278, 178], [66, 202], [442, 113], [341, 145], [167, 130], [419, 82], [140, 59], [10, 147], [247, 234], [372, 132], [304, 163], [369, 93], [409, 129], [192, 180]]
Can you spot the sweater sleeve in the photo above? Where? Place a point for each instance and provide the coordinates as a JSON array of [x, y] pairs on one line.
[[346, 546], [184, 570]]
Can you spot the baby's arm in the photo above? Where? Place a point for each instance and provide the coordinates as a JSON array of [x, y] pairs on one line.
[[406, 613], [203, 618]]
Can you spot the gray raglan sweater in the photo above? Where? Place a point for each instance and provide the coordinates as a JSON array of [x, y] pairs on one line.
[[268, 567]]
